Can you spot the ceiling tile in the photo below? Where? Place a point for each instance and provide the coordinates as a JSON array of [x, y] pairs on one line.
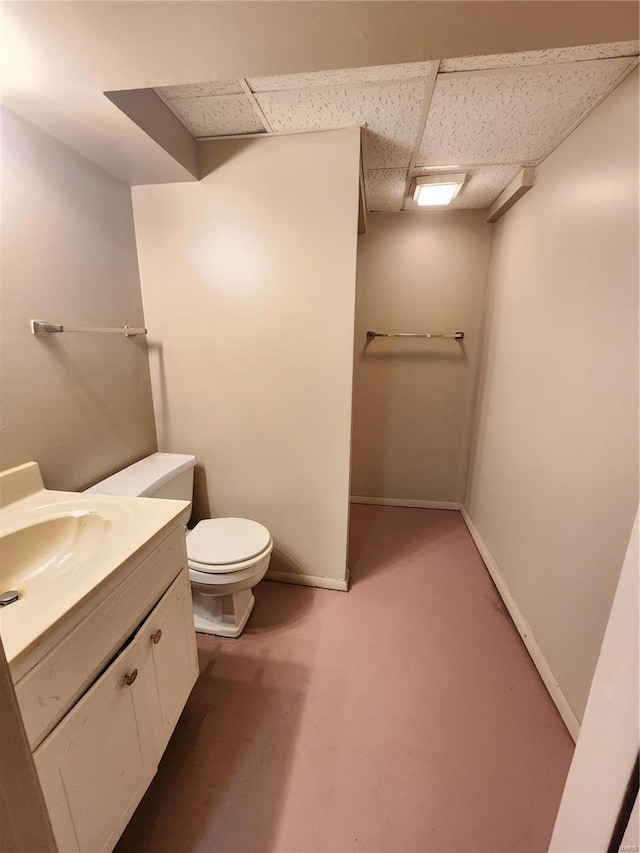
[[218, 116], [483, 185], [385, 189], [542, 57], [512, 115], [391, 113], [374, 73], [200, 90]]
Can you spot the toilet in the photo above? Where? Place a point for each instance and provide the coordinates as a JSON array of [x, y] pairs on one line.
[[227, 556]]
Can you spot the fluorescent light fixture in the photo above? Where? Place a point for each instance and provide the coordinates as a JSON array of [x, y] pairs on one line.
[[437, 190]]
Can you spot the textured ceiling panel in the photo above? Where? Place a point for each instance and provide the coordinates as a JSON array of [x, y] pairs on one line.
[[483, 185], [390, 112], [200, 90], [385, 189], [542, 57], [219, 116], [374, 73], [510, 116]]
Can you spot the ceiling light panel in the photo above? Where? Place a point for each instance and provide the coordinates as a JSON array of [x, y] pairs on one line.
[[385, 189], [200, 90], [512, 115], [370, 74], [431, 194], [483, 185], [221, 115], [542, 57], [390, 112]]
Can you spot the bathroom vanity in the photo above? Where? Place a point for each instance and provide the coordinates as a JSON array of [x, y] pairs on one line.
[[101, 648]]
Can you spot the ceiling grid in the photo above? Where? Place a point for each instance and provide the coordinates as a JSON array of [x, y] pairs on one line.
[[255, 105], [430, 84], [486, 116]]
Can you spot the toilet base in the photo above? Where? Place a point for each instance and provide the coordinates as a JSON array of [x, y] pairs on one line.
[[222, 615]]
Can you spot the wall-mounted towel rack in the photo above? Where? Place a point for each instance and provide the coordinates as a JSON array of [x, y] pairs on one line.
[[40, 328], [456, 336]]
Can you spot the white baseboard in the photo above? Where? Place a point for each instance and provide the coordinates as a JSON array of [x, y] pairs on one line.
[[307, 580], [358, 499], [523, 628]]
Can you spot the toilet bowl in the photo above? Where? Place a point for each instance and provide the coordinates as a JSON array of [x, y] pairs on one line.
[[227, 558]]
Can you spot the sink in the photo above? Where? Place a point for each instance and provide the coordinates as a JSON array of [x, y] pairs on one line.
[[42, 543], [62, 552], [48, 548]]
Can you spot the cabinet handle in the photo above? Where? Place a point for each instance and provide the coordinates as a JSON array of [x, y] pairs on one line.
[[130, 677], [155, 637]]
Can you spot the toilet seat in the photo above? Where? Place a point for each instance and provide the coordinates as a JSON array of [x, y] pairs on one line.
[[232, 577], [227, 545]]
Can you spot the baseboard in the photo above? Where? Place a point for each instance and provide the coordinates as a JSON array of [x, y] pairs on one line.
[[555, 691], [358, 499], [307, 580]]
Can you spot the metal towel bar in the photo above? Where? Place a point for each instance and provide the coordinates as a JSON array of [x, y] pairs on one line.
[[41, 328], [457, 336]]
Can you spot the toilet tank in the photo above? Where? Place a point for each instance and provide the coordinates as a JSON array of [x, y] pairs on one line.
[[161, 475]]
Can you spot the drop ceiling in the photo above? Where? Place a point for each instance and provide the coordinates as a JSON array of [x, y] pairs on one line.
[[487, 116]]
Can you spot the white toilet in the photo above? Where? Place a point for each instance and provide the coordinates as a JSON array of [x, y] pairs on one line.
[[227, 556]]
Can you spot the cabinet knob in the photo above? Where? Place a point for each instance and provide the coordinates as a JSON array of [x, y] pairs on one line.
[[130, 677], [155, 637]]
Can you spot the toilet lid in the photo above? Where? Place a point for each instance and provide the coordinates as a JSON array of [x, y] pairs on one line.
[[220, 541]]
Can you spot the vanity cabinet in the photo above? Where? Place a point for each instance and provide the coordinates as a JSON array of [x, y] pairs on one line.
[[96, 765], [98, 761]]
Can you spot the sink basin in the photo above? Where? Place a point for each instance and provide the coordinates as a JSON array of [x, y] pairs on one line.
[[43, 544], [53, 547]]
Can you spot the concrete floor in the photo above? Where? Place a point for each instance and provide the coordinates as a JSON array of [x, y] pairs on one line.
[[404, 716]]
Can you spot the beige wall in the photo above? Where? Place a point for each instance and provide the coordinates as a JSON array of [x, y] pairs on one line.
[[554, 483], [417, 272], [249, 286], [80, 405]]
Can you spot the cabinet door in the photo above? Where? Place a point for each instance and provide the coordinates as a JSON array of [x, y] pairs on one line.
[[97, 763], [168, 642]]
